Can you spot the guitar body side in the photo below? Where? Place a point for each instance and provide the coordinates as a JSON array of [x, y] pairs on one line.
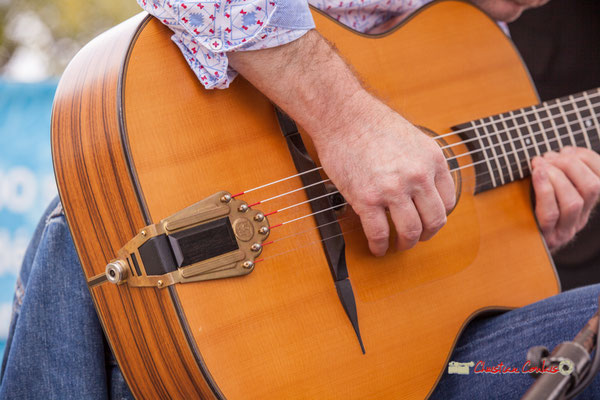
[[136, 138], [95, 187]]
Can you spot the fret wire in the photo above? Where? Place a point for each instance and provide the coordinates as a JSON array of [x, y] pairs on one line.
[[531, 134], [494, 155], [520, 136], [512, 145], [577, 112], [547, 104], [513, 140], [546, 127], [573, 118], [542, 129], [501, 133], [564, 117], [485, 157], [483, 183], [555, 129], [471, 125], [593, 112]]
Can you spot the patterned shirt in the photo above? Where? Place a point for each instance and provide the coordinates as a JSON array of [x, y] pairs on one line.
[[205, 31]]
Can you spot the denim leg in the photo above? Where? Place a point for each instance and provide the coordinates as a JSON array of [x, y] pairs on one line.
[[507, 337], [56, 348]]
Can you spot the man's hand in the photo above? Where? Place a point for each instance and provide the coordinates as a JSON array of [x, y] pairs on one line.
[[567, 187], [379, 162], [377, 159]]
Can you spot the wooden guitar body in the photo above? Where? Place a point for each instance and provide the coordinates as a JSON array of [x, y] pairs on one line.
[[136, 138]]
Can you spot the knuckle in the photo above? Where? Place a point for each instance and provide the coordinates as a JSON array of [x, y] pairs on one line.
[[437, 223], [390, 187], [450, 201], [548, 219], [594, 189], [370, 199], [378, 235], [411, 235], [418, 177], [574, 206]]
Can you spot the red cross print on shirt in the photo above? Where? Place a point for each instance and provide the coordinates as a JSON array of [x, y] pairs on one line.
[[200, 5], [184, 19], [212, 17], [183, 6], [215, 44], [243, 12]]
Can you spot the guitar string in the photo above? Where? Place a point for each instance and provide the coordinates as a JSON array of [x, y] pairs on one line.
[[305, 231], [351, 218], [511, 139], [317, 227], [497, 158], [306, 245], [522, 163], [516, 127], [545, 106], [345, 203], [315, 242], [497, 170], [567, 135], [591, 107], [528, 124]]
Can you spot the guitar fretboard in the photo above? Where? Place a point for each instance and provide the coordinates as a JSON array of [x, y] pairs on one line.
[[503, 145]]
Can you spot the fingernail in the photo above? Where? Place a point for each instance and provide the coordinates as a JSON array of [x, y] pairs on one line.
[[550, 155]]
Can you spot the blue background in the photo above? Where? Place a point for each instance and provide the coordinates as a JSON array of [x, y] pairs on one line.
[[26, 178]]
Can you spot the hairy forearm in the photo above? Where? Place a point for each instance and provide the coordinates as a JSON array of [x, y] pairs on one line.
[[308, 80], [377, 160]]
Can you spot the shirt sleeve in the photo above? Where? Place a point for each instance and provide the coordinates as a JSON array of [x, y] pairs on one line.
[[205, 31]]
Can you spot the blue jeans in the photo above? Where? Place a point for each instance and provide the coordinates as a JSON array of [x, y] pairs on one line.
[[56, 348]]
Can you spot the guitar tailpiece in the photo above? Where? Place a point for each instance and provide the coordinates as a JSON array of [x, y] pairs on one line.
[[218, 237]]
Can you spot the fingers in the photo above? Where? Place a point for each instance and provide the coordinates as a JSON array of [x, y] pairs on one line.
[[431, 211], [376, 229], [570, 205], [587, 183], [408, 224], [418, 218], [445, 187], [589, 157], [546, 207]]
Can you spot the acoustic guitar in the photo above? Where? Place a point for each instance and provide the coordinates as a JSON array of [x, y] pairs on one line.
[[223, 264]]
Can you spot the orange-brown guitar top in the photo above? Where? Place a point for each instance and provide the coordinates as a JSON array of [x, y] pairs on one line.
[[136, 138]]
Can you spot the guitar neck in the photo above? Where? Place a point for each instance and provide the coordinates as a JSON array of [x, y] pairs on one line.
[[503, 145]]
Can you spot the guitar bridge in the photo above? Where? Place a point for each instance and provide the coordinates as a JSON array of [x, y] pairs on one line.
[[218, 237]]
